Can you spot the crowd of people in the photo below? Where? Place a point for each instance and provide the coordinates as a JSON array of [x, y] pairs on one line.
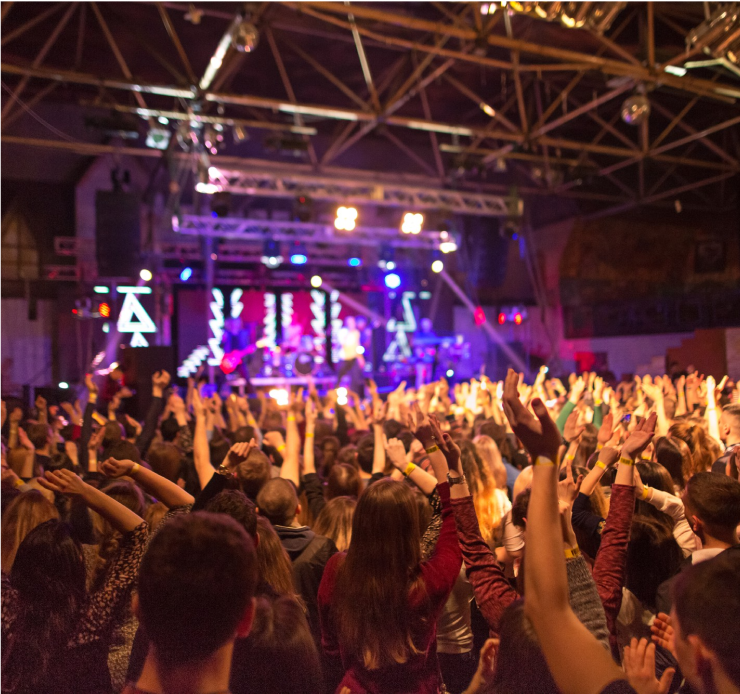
[[486, 538]]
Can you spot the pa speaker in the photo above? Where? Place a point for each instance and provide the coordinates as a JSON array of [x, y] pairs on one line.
[[117, 233]]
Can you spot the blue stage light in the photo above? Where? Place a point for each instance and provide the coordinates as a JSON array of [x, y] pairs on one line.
[[392, 281], [298, 259], [186, 274], [354, 262]]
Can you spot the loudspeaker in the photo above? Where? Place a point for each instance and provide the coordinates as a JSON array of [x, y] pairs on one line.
[[117, 233], [138, 364]]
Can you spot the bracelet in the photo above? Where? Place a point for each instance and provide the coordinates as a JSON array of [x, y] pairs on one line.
[[599, 446], [645, 493], [601, 464], [572, 553], [291, 418], [19, 483], [281, 448], [432, 449], [626, 461], [309, 434], [542, 461], [135, 468], [409, 469]]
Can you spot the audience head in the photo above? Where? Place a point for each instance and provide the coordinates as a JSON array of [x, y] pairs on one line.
[[712, 503], [169, 429], [40, 435], [112, 433], [729, 423], [243, 434], [278, 502], [196, 587], [491, 456], [123, 450], [703, 451], [236, 504], [253, 473], [344, 480], [365, 452], [26, 511], [706, 621], [335, 521], [675, 456], [165, 460], [273, 561]]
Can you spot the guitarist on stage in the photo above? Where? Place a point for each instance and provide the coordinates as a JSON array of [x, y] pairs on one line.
[[237, 337]]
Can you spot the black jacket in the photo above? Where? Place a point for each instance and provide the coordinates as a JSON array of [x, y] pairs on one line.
[[308, 553]]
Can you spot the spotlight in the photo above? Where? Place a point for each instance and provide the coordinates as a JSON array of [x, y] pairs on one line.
[[63, 385], [354, 262], [146, 275], [450, 373], [412, 223], [299, 254], [346, 219], [316, 281], [479, 316], [448, 246], [104, 310], [280, 395], [163, 120], [501, 318], [518, 318], [271, 253], [158, 138], [392, 281], [186, 274], [206, 188], [635, 109], [438, 266], [246, 37], [341, 396], [100, 289], [106, 328]]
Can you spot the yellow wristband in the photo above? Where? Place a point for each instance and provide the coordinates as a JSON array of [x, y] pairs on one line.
[[19, 483], [569, 458], [409, 469], [309, 434], [626, 461], [281, 448], [543, 461], [433, 449], [599, 446], [291, 418], [645, 493], [601, 464], [572, 553], [135, 468]]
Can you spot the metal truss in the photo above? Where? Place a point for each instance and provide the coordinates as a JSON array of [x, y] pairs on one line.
[[307, 232], [272, 184]]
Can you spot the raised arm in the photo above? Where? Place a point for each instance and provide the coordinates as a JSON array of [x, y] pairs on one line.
[[421, 478], [379, 414], [160, 381], [577, 661], [201, 450], [170, 494], [65, 482]]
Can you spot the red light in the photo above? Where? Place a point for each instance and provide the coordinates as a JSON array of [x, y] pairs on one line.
[[74, 310], [104, 310], [501, 318], [479, 316], [518, 318]]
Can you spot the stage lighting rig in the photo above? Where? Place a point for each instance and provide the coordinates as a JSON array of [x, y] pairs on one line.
[[346, 219], [271, 253], [412, 223], [299, 254]]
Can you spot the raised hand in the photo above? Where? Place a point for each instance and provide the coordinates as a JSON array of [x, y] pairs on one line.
[[310, 413], [380, 410], [540, 435], [576, 390], [572, 431], [486, 667], [567, 488], [116, 468], [397, 453], [63, 482], [16, 415], [199, 407], [662, 632], [609, 455], [606, 430], [90, 384], [640, 437], [160, 379], [419, 424], [23, 439], [238, 453], [40, 403], [639, 666]]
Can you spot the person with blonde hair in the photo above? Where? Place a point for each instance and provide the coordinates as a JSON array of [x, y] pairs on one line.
[[26, 511], [335, 521]]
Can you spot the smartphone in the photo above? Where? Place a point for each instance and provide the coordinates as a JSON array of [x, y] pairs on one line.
[[627, 418]]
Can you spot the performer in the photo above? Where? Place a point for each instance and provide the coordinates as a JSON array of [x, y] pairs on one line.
[[426, 342], [352, 361], [238, 338]]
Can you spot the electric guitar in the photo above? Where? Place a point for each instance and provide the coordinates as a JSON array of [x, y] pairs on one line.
[[230, 361]]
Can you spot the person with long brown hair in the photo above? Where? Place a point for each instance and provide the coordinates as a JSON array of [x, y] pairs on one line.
[[335, 521], [378, 602]]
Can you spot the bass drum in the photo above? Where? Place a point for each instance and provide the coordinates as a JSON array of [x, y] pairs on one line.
[[304, 364]]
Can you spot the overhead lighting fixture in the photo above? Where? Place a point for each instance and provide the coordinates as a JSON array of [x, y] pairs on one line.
[[63, 385], [354, 262], [675, 70], [271, 253], [246, 37], [438, 266], [635, 109], [186, 274], [158, 138], [240, 134], [346, 219], [316, 281], [299, 254], [100, 289], [596, 16], [207, 188], [392, 281], [488, 109], [146, 275], [412, 222]]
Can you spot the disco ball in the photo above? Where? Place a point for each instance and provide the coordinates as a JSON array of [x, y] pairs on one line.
[[635, 109]]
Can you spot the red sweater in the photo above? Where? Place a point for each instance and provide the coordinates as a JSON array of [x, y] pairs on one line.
[[420, 674]]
